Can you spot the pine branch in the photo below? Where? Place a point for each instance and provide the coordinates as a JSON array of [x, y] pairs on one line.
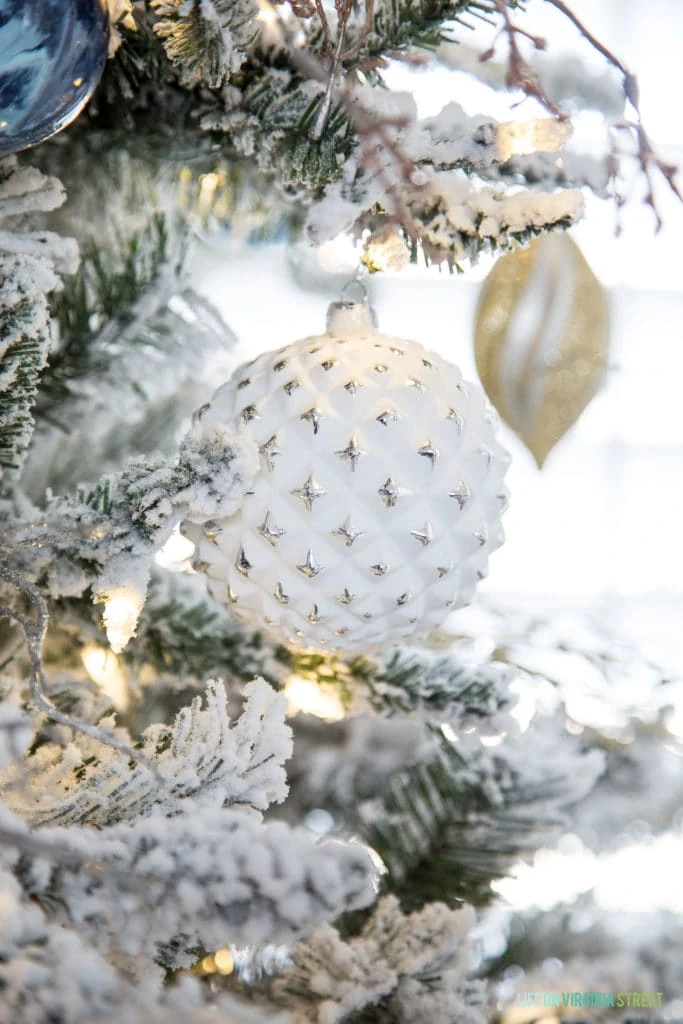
[[106, 536], [205, 41], [204, 759], [29, 265], [184, 632], [438, 686], [97, 306], [449, 825], [49, 971], [399, 969], [205, 880], [400, 24]]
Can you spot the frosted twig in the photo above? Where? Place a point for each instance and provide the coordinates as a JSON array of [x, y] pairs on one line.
[[352, 52], [327, 43], [318, 127], [341, 56], [34, 632], [374, 131], [564, 9], [520, 75], [646, 155]]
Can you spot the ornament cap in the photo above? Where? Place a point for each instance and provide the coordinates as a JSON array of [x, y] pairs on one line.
[[351, 315]]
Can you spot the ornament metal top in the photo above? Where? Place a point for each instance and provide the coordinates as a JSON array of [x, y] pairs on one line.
[[379, 495], [52, 54]]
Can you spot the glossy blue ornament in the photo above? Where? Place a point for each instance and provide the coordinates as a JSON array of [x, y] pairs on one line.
[[52, 54]]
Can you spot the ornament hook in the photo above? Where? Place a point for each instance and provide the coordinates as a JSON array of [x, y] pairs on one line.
[[346, 296], [353, 315]]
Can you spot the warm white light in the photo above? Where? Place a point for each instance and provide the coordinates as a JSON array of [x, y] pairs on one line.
[[122, 607], [308, 696], [522, 138], [224, 961], [106, 671]]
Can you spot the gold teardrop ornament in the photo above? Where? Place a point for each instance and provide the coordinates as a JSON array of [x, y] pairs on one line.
[[541, 339]]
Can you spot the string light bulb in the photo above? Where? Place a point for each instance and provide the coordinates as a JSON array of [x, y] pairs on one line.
[[522, 138], [105, 670], [308, 696], [122, 607], [220, 962]]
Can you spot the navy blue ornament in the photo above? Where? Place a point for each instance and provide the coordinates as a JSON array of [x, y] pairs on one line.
[[52, 54]]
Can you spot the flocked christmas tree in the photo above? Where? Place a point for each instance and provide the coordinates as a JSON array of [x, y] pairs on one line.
[[267, 787]]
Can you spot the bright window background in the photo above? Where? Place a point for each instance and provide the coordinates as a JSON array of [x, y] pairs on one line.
[[604, 518]]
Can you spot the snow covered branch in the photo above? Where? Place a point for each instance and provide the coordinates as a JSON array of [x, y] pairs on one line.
[[30, 264], [106, 536], [165, 887], [414, 967], [204, 759], [48, 971]]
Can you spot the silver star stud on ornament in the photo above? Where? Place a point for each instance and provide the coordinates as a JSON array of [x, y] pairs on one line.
[[351, 453], [388, 492], [428, 451], [481, 536], [387, 417], [347, 532], [270, 531], [486, 454], [312, 416], [456, 419], [314, 616], [291, 386], [269, 451], [425, 535], [249, 413], [309, 492], [280, 595], [352, 386], [310, 567], [242, 563], [461, 493]]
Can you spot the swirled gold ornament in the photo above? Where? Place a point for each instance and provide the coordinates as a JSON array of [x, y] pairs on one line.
[[541, 339]]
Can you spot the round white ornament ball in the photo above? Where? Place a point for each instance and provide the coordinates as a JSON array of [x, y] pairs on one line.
[[379, 495]]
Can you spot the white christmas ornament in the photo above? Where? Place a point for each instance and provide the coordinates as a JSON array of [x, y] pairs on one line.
[[379, 496]]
